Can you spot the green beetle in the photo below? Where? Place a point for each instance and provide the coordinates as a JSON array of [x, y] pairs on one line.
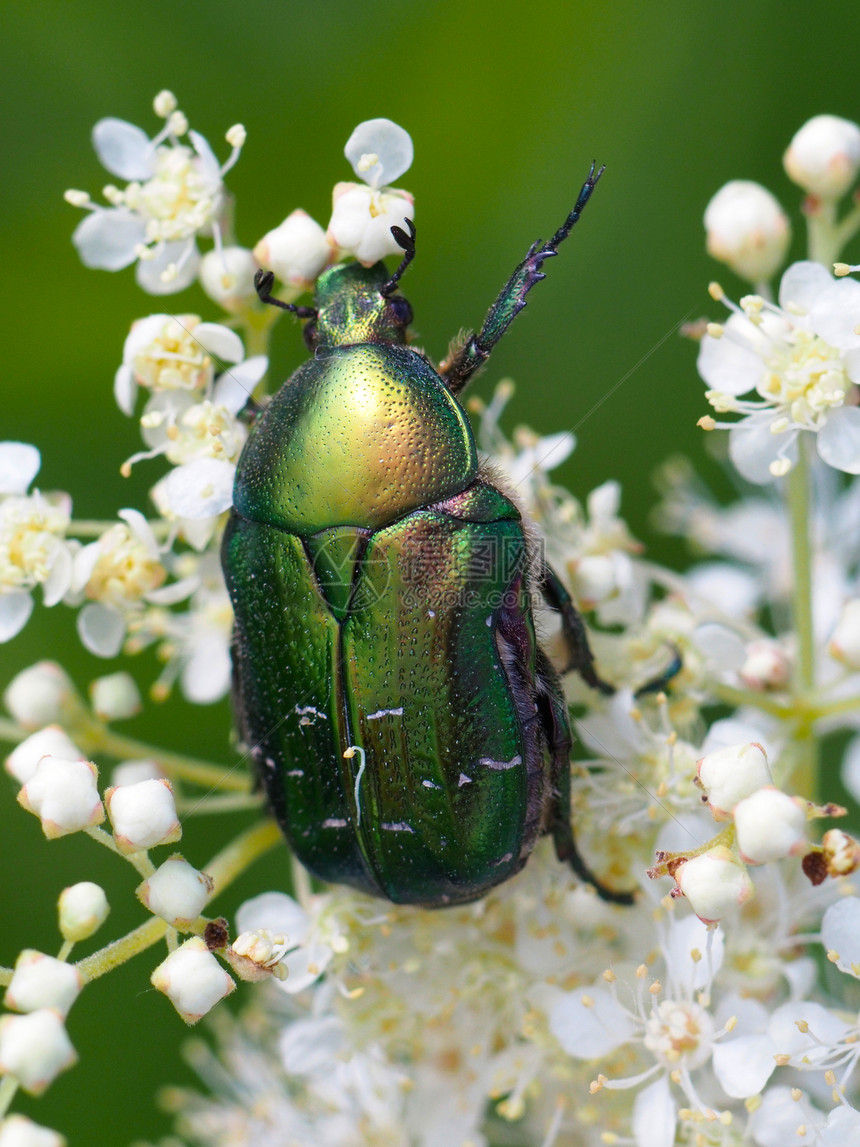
[[412, 736]]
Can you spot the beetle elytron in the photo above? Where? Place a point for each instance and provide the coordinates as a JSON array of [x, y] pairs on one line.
[[411, 734]]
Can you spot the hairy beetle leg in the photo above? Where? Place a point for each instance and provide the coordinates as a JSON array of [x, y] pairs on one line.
[[580, 657], [472, 355]]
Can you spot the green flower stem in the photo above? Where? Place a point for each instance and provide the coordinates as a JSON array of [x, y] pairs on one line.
[[805, 769], [847, 229], [6, 977], [100, 739], [8, 1087], [91, 528], [833, 708], [824, 241], [229, 802], [138, 860], [224, 867], [763, 701]]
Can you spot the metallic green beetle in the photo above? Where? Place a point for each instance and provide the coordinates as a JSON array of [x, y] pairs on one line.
[[411, 734]]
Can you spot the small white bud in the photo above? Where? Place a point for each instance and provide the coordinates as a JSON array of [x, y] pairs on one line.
[[143, 815], [178, 123], [594, 579], [728, 775], [76, 198], [51, 741], [845, 640], [193, 980], [40, 695], [236, 135], [18, 1131], [227, 277], [164, 104], [63, 795], [35, 1049], [296, 250], [176, 892], [766, 666], [83, 908], [747, 229], [130, 772], [41, 981], [115, 697], [715, 883], [824, 156], [769, 825]]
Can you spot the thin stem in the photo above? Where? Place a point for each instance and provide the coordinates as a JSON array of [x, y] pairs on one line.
[[824, 244], [138, 860], [229, 802], [8, 1087], [174, 764], [805, 771], [93, 528], [6, 975], [112, 955]]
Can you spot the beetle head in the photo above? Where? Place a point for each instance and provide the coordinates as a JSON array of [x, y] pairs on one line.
[[351, 308]]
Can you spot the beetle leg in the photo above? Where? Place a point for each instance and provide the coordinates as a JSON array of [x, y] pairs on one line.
[[459, 367], [579, 652], [553, 712]]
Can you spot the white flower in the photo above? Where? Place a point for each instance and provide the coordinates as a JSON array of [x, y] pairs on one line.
[[63, 795], [143, 815], [227, 277], [803, 359], [83, 908], [35, 1049], [715, 883], [175, 193], [50, 741], [258, 954], [767, 666], [41, 981], [728, 775], [40, 695], [279, 915], [747, 229], [115, 697], [130, 772], [770, 825], [845, 639], [176, 892], [193, 980], [824, 156], [18, 1131], [362, 217], [33, 547], [296, 250]]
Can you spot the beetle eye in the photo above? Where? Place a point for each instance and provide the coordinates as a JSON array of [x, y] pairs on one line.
[[400, 311], [309, 334]]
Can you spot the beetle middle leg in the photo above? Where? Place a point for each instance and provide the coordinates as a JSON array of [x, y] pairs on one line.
[[579, 652]]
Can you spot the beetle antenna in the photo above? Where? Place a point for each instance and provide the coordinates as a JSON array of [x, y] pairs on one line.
[[263, 281], [407, 242]]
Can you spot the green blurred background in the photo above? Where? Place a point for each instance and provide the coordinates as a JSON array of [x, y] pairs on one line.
[[507, 103]]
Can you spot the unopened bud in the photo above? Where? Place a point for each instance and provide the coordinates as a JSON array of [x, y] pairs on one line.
[[51, 741], [227, 277], [824, 156], [766, 666], [193, 980], [176, 892], [594, 579], [143, 815], [715, 883], [728, 775], [83, 908], [296, 251], [747, 229], [63, 795], [164, 104], [41, 695], [35, 1049], [18, 1131], [115, 697], [769, 825], [41, 981]]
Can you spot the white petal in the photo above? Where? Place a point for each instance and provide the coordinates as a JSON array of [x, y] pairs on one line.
[[722, 648], [731, 363], [836, 314], [143, 332], [752, 448], [206, 676], [802, 284], [775, 1123], [220, 342], [304, 967], [108, 240], [101, 629], [851, 768], [142, 531], [15, 610], [385, 139], [200, 489], [311, 1045], [236, 385], [654, 1115], [148, 271], [735, 591], [176, 591], [840, 933], [276, 912], [744, 1065], [851, 362], [824, 1028], [210, 168], [56, 585], [125, 150], [687, 936], [19, 465], [838, 439], [125, 389], [843, 1128], [589, 1031]]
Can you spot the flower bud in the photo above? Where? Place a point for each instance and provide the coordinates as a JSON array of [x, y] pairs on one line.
[[130, 772], [41, 695], [176, 892], [594, 579], [35, 1049], [766, 666], [115, 697], [769, 825], [51, 741], [747, 229], [845, 640], [18, 1131], [728, 775], [227, 277], [715, 883], [841, 852], [143, 815], [824, 156], [296, 251], [192, 979], [63, 795], [83, 908], [258, 954], [41, 981]]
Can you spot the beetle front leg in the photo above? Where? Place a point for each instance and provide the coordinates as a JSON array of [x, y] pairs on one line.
[[470, 356], [580, 657]]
